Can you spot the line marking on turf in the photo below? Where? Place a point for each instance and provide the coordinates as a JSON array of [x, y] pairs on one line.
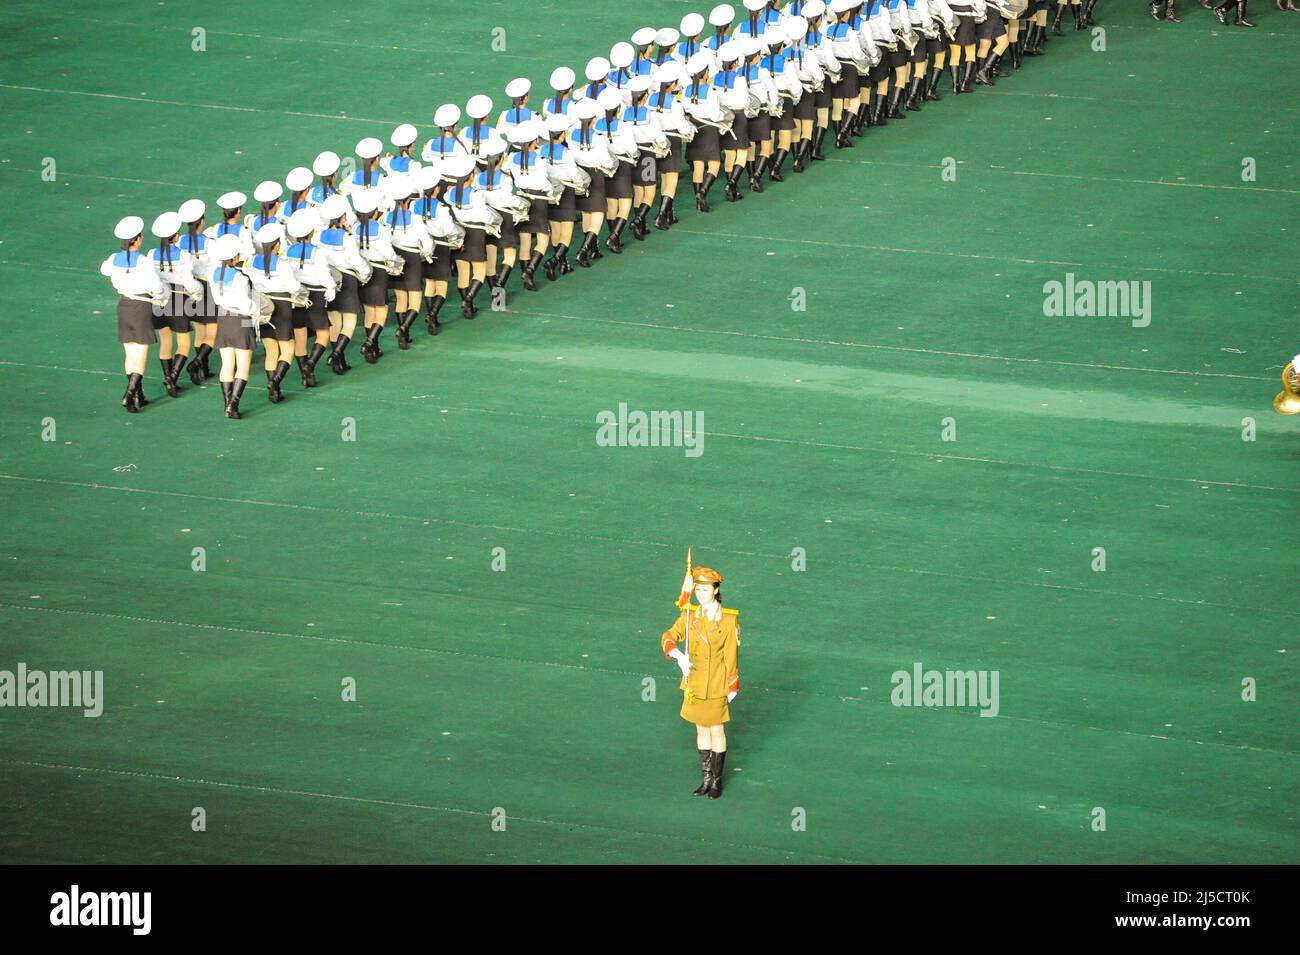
[[399, 804], [369, 644], [172, 102], [641, 542], [975, 255]]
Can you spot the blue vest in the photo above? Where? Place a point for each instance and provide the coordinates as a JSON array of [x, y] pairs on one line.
[[300, 251], [642, 67], [516, 115], [697, 92], [399, 218], [636, 115], [553, 105], [608, 127], [189, 243], [662, 101], [230, 228], [400, 164], [225, 275], [260, 263], [126, 260], [688, 48], [619, 78], [747, 29], [554, 152], [319, 195], [359, 177], [156, 255], [839, 31], [482, 182], [333, 238], [517, 160], [582, 138], [446, 143], [260, 220], [460, 197], [726, 80], [367, 229], [592, 90], [291, 206]]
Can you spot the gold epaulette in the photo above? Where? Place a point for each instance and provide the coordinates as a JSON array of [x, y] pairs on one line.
[[731, 610]]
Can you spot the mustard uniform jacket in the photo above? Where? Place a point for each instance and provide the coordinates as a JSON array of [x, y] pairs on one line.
[[712, 652]]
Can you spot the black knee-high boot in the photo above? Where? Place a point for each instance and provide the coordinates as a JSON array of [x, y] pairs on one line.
[[335, 359], [914, 95], [1241, 15], [702, 203], [614, 242], [502, 276], [733, 184], [370, 347], [983, 74], [232, 398], [225, 393], [640, 228], [273, 379], [842, 134], [932, 85], [317, 349], [1087, 12], [719, 765], [1171, 14], [1077, 12], [776, 162], [589, 240], [664, 221], [168, 385], [308, 379], [706, 772], [1056, 21], [815, 151], [528, 273], [467, 307], [199, 369], [435, 307], [882, 109], [129, 400], [756, 175], [895, 94], [967, 76]]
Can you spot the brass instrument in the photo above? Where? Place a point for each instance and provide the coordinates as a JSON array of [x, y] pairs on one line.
[[1288, 399]]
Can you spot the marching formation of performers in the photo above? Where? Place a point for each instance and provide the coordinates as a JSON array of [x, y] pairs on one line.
[[731, 99]]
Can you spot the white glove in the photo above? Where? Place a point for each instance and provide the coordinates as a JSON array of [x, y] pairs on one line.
[[683, 662], [731, 696]]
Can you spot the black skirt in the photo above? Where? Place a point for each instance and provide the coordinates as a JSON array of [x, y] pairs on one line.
[[786, 119], [849, 84], [375, 292], [824, 97], [440, 268], [566, 209], [897, 58], [935, 47], [135, 322], [806, 108], [739, 136], [509, 237], [965, 31], [706, 146], [348, 298], [673, 161], [474, 248], [645, 174], [281, 325], [176, 313], [594, 200], [619, 185], [919, 52], [412, 277], [539, 217], [760, 128], [205, 310], [318, 316], [879, 73], [235, 331], [993, 27]]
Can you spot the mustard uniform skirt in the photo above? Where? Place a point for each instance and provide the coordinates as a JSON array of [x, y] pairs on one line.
[[706, 712]]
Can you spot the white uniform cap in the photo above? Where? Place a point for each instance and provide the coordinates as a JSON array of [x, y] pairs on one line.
[[621, 55], [609, 99], [749, 46], [692, 24], [226, 247], [369, 148], [302, 223], [776, 37], [192, 210], [753, 6], [722, 15], [796, 28], [670, 72], [460, 165], [667, 37], [365, 201], [640, 84], [840, 6], [562, 78], [586, 109], [479, 106], [268, 191], [528, 131], [597, 68], [729, 51], [520, 86], [166, 225], [231, 200], [426, 177], [404, 135], [270, 233], [644, 36], [129, 228], [395, 187], [334, 207], [558, 123], [299, 178], [448, 115], [699, 63], [326, 164], [813, 9], [494, 147]]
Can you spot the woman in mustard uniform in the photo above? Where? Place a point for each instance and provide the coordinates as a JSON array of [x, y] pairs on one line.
[[710, 677]]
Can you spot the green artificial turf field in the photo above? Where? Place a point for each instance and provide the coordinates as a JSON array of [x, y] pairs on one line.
[[522, 690]]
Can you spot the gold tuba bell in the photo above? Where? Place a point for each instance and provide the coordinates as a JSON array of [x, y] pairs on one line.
[[1288, 399]]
